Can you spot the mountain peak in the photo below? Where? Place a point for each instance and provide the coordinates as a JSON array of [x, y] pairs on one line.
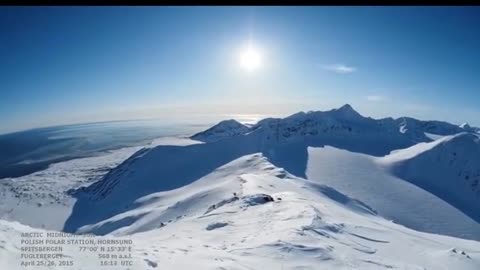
[[465, 126], [347, 111], [225, 128], [229, 122], [346, 107]]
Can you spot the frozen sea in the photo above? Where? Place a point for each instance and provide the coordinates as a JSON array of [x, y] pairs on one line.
[[33, 150]]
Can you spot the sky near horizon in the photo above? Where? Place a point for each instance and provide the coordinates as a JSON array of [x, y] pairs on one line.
[[61, 65]]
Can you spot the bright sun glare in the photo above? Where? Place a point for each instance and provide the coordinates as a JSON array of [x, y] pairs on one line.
[[250, 59]]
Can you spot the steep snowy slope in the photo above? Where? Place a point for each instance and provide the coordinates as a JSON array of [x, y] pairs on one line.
[[249, 214], [28, 199], [434, 127], [448, 168], [306, 226], [368, 179], [286, 143], [412, 128], [283, 141], [162, 168]]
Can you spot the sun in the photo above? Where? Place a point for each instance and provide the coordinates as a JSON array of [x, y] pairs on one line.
[[250, 59]]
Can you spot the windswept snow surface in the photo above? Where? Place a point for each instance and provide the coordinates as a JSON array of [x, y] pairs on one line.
[[273, 221], [365, 178], [29, 199], [448, 168]]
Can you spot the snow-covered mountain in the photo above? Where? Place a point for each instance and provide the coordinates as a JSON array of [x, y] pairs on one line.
[[335, 125], [248, 214], [284, 142], [330, 190], [224, 129]]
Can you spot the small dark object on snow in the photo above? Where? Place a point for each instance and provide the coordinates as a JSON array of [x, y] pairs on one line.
[[162, 224], [279, 199], [268, 198]]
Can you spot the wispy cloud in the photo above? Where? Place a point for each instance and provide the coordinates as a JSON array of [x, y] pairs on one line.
[[340, 68], [376, 98]]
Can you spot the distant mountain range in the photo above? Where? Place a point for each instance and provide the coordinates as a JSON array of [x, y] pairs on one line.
[[344, 121]]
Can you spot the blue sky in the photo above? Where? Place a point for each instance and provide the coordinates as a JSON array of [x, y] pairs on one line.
[[64, 65]]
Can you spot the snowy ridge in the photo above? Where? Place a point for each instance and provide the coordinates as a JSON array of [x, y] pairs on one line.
[[284, 142], [152, 170], [434, 127], [329, 190], [448, 167], [249, 214], [344, 121], [340, 124], [307, 226]]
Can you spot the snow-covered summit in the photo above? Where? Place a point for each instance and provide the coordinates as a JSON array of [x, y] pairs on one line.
[[347, 112], [224, 129], [343, 127]]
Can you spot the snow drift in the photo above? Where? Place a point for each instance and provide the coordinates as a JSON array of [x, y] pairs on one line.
[[448, 168]]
